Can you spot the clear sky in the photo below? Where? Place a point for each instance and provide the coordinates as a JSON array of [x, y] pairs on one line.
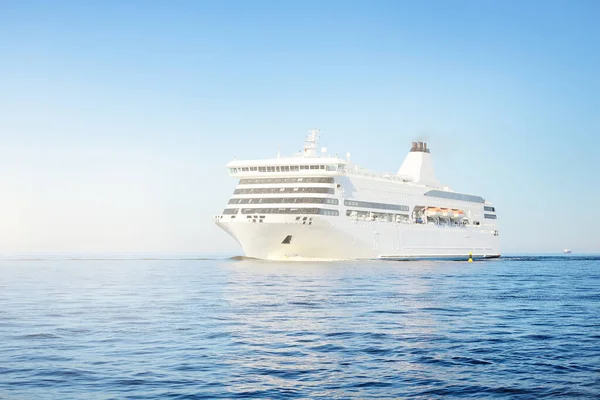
[[117, 117]]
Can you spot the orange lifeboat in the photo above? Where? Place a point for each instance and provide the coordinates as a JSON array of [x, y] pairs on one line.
[[458, 213], [433, 212]]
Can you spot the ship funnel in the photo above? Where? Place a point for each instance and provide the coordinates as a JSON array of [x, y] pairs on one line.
[[418, 165]]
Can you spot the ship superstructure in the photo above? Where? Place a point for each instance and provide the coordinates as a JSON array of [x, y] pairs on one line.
[[318, 206]]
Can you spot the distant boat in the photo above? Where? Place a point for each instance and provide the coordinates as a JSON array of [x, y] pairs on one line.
[[567, 251]]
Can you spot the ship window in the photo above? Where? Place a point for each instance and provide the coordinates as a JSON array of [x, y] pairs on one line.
[[289, 211], [229, 211], [286, 180], [314, 167], [357, 214], [279, 200], [287, 240], [284, 190], [489, 216], [333, 213], [262, 169], [488, 208], [376, 216], [381, 206], [253, 169]]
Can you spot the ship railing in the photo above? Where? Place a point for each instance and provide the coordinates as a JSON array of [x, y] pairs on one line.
[[357, 170]]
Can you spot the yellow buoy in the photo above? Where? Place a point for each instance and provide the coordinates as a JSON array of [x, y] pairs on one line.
[[470, 257]]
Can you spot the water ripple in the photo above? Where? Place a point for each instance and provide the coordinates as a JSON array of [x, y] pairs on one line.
[[194, 328]]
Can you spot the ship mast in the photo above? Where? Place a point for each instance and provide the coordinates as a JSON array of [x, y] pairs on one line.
[[310, 144]]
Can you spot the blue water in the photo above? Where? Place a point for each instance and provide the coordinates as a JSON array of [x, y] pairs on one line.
[[525, 327]]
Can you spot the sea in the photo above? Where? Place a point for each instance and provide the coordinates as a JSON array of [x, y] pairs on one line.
[[191, 327]]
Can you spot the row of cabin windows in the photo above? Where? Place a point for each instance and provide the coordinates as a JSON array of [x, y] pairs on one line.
[[285, 190], [488, 208], [376, 216], [320, 211], [381, 206], [277, 200], [333, 213], [286, 180], [358, 214], [287, 168]]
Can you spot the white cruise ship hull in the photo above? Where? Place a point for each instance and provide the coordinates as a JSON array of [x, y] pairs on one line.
[[329, 239], [324, 208]]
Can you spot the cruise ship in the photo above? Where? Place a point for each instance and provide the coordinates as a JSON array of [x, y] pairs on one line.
[[319, 206]]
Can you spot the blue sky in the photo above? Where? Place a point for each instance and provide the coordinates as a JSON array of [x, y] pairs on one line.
[[117, 117]]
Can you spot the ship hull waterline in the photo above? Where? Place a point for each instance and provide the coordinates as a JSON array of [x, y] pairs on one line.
[[325, 242]]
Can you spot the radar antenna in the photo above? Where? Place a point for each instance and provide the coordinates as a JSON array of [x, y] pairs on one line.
[[310, 144]]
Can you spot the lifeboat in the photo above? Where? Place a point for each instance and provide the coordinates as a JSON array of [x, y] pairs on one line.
[[446, 212], [458, 213], [433, 212]]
